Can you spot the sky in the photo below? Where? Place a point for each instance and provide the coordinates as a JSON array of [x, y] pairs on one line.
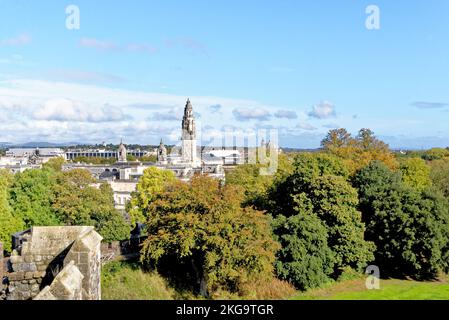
[[301, 68]]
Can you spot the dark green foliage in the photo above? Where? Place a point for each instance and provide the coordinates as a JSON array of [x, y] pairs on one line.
[[335, 203], [305, 259], [408, 227], [306, 168], [317, 193]]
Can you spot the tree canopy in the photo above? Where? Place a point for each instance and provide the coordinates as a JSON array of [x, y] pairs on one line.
[[408, 227], [8, 223], [203, 225], [358, 151]]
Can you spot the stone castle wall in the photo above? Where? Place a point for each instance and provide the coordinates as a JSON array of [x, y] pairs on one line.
[[46, 252]]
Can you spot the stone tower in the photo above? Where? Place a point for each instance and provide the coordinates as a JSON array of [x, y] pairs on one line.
[[162, 153], [189, 136], [121, 154]]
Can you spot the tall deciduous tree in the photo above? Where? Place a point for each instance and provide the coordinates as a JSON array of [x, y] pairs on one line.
[[150, 184], [358, 151], [202, 224], [321, 180], [439, 175], [54, 163], [408, 227], [31, 196], [80, 200], [8, 223], [415, 173], [305, 259]]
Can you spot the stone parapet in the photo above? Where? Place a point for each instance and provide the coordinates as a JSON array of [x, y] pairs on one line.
[[70, 255]]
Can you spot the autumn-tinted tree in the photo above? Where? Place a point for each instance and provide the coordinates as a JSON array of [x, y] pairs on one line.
[[203, 226], [8, 223], [80, 200], [408, 227], [358, 151]]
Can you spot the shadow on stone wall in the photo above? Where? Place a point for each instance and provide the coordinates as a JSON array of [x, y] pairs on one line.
[[55, 263]]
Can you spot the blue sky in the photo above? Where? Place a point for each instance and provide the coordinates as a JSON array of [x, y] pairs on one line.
[[302, 67]]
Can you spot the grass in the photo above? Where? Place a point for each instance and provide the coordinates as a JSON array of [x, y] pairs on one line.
[[122, 280], [126, 281], [391, 289]]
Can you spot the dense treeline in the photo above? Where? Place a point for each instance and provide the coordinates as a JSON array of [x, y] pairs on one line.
[[322, 216], [50, 197]]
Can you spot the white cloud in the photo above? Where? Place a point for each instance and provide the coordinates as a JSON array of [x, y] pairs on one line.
[[172, 114], [246, 114], [98, 44], [69, 110], [287, 114], [305, 126], [323, 110], [19, 40], [65, 112]]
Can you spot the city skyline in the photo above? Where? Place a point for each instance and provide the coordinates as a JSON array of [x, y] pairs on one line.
[[301, 68]]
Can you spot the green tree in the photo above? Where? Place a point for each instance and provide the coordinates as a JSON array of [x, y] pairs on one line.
[[435, 154], [31, 196], [150, 158], [408, 227], [335, 202], [54, 163], [321, 178], [8, 223], [81, 200], [202, 225], [305, 259], [150, 184], [255, 185], [95, 160], [415, 173], [439, 174], [305, 169]]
